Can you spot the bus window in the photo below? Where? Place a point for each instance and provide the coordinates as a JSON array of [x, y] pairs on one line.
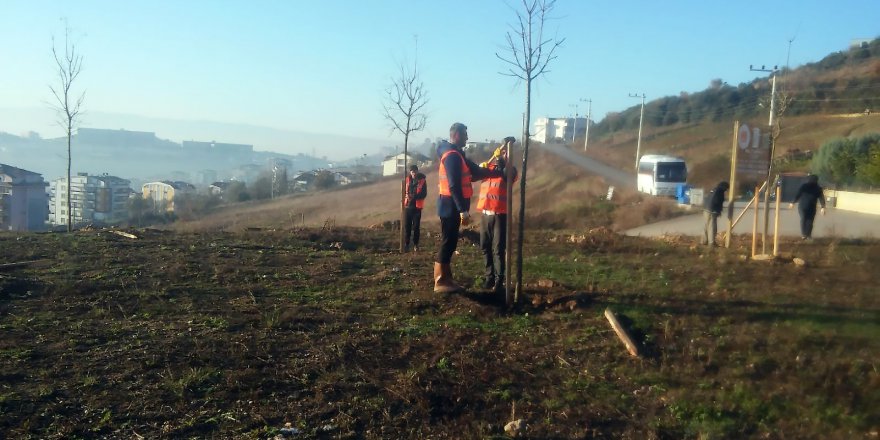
[[671, 172]]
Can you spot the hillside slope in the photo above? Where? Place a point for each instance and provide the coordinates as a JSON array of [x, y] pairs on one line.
[[707, 146], [559, 195]]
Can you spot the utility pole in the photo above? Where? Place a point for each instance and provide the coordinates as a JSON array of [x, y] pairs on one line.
[[589, 115], [575, 124], [772, 146], [641, 117]]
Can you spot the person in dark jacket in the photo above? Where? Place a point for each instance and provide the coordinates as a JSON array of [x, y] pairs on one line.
[[713, 206], [413, 202], [455, 176], [808, 194]]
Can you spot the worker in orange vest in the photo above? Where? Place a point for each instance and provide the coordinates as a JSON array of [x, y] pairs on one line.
[[454, 201], [416, 191], [493, 223]]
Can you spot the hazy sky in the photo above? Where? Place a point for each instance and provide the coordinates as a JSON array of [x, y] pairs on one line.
[[322, 66]]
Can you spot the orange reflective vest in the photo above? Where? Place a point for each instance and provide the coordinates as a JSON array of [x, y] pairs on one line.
[[493, 196], [420, 185], [467, 191]]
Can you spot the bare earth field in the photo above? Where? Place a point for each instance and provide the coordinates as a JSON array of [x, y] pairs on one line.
[[235, 335]]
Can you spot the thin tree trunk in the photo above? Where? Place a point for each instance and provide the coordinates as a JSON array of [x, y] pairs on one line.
[[522, 194], [403, 189], [69, 203]]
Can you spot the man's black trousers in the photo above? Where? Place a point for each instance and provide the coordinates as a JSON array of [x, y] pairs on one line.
[[493, 241], [412, 226], [448, 238]]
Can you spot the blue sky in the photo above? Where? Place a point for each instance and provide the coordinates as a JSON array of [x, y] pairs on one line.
[[322, 66]]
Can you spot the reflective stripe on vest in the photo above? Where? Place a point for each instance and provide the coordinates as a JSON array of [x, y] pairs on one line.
[[493, 196], [467, 191], [420, 203]]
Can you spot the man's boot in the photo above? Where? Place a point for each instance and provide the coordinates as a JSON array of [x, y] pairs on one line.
[[443, 279]]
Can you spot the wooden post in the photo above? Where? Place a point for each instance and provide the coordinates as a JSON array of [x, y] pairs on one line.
[[755, 223], [731, 196], [403, 206], [631, 346], [776, 222], [766, 217], [508, 245], [745, 209]]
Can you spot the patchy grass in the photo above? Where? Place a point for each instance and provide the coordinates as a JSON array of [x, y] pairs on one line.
[[232, 335]]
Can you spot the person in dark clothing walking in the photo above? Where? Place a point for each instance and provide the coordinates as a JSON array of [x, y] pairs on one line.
[[416, 191], [454, 201], [712, 209], [808, 194]]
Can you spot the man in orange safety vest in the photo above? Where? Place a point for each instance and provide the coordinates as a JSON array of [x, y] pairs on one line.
[[455, 176], [493, 223], [416, 191]]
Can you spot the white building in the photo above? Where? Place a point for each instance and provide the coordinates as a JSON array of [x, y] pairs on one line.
[[393, 165], [549, 130], [94, 199], [23, 202]]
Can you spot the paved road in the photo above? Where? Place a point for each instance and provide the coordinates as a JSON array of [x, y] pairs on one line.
[[836, 223], [612, 175]]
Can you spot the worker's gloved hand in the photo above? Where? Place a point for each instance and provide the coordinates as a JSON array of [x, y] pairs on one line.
[[484, 165], [498, 152], [465, 218], [791, 205]]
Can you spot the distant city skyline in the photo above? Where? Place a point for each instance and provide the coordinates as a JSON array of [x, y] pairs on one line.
[[322, 67]]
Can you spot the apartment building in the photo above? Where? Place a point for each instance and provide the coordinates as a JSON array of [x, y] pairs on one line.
[[23, 202], [101, 199]]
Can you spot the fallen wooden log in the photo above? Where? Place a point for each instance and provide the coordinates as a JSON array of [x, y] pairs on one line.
[[123, 234], [631, 346], [18, 264]]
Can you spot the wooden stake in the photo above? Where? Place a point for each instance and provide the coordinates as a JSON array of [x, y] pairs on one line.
[[776, 222], [631, 347], [731, 196], [755, 224]]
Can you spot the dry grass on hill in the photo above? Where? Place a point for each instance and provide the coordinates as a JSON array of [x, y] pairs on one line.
[[559, 195]]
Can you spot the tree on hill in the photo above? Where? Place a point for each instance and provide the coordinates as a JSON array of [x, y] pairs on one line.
[[406, 99], [849, 161], [67, 105], [842, 82], [324, 179]]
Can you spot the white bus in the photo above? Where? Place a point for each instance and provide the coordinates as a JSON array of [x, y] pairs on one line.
[[660, 175]]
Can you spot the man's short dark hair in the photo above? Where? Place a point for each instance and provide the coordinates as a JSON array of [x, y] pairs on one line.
[[413, 168], [458, 127]]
